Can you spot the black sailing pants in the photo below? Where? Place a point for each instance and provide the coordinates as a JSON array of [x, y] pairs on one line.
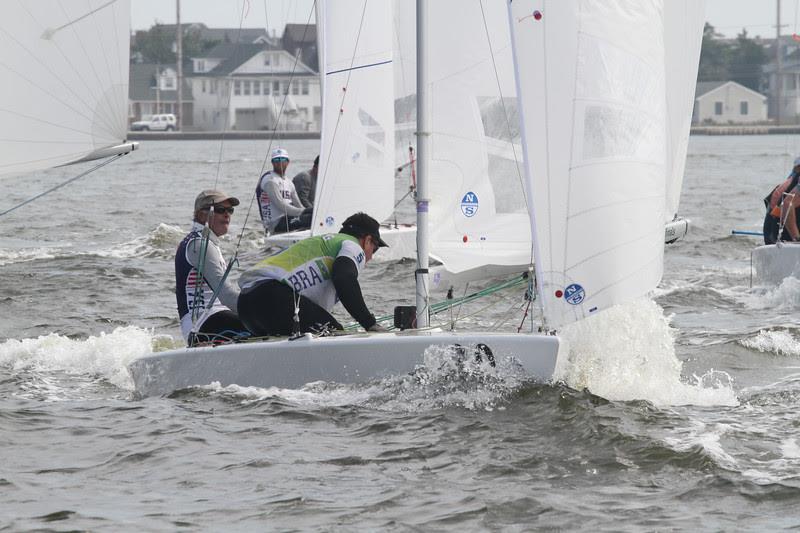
[[268, 309]]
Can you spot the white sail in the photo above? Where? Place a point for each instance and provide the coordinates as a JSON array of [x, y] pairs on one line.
[[683, 38], [64, 90], [591, 80], [356, 167], [478, 214]]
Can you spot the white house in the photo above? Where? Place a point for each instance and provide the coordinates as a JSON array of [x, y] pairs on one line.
[[726, 102], [254, 87]]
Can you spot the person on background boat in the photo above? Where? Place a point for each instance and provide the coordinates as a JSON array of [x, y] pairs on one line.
[[194, 284], [316, 273], [305, 183], [278, 202], [782, 204]]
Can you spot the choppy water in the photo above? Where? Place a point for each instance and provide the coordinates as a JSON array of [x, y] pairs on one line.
[[677, 412]]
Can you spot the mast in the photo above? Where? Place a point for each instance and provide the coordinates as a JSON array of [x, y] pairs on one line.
[[179, 55], [423, 158]]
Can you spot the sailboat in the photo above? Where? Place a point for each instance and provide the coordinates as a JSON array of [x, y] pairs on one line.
[[592, 84], [357, 144], [65, 83]]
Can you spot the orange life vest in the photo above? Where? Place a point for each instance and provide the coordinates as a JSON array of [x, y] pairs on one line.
[[773, 200]]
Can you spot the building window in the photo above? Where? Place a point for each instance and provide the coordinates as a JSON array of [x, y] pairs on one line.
[[267, 59], [295, 87], [743, 108], [237, 87], [201, 65], [203, 83], [286, 88], [717, 108], [169, 83], [276, 87], [246, 84], [256, 87], [304, 86], [266, 87]]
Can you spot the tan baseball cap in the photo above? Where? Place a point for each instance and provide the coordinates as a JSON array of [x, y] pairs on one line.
[[210, 197]]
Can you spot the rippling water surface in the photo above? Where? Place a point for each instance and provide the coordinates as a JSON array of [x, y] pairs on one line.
[[677, 411]]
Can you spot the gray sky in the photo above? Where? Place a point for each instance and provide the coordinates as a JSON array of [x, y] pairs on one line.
[[728, 16]]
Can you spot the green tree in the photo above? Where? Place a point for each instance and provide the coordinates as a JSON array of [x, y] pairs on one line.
[[747, 61], [155, 45], [714, 56]]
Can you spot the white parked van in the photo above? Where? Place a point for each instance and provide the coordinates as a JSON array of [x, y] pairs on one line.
[[162, 122]]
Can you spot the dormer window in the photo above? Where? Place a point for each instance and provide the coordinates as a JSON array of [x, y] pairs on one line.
[[267, 60]]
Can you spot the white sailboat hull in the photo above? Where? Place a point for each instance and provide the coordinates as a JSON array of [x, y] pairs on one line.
[[348, 359], [772, 264], [402, 241]]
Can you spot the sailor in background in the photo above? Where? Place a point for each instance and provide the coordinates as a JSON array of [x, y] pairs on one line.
[[314, 273], [279, 205], [305, 183], [782, 204], [196, 280]]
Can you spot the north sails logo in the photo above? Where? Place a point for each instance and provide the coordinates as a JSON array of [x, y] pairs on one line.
[[469, 204]]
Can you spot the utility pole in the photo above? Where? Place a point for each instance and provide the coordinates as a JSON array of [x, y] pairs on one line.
[[179, 54], [778, 67]]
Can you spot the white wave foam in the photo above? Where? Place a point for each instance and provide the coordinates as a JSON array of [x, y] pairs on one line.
[[106, 355], [441, 381], [164, 238], [784, 297], [628, 353], [778, 342], [708, 437], [11, 256]]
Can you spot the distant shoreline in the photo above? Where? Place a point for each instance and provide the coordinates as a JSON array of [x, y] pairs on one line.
[[261, 134], [216, 135], [743, 129]]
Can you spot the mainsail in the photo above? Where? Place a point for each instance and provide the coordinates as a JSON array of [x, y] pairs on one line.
[[356, 168], [593, 95], [64, 94]]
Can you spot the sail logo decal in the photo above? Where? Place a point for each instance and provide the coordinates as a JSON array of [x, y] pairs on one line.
[[574, 294], [329, 221], [469, 204]]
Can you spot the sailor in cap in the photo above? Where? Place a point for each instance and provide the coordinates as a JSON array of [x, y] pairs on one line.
[[279, 205]]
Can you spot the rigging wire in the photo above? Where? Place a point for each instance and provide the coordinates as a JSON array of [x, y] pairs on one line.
[[62, 184]]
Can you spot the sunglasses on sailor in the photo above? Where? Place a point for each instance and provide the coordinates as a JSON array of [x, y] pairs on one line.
[[220, 209]]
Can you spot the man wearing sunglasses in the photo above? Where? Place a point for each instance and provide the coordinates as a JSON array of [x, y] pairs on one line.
[[279, 205], [314, 273], [200, 270]]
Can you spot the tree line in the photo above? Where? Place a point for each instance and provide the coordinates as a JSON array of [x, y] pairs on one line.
[[741, 60]]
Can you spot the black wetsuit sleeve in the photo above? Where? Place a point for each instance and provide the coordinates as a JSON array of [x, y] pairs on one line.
[[345, 279]]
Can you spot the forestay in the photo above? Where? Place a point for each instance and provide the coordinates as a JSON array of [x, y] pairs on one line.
[[478, 215], [356, 168], [65, 81], [591, 79]]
